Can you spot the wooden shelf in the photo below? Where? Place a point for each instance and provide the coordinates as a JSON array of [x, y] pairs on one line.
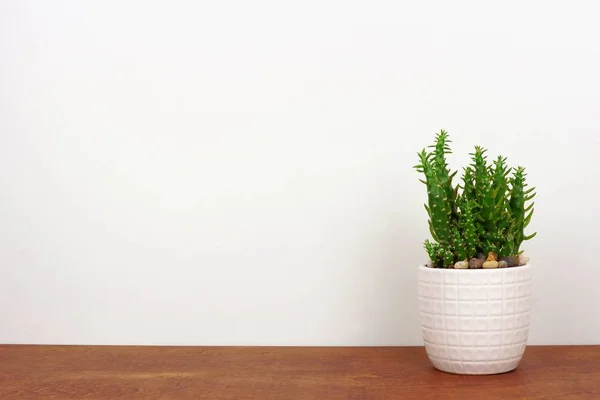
[[322, 373]]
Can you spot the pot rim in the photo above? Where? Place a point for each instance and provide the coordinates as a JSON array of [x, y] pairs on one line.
[[471, 270]]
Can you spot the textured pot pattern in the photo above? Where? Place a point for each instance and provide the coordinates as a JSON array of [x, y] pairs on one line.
[[475, 321]]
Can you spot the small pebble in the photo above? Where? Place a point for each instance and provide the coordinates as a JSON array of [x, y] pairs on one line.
[[490, 264], [502, 264], [512, 261], [475, 263], [523, 259], [461, 265]]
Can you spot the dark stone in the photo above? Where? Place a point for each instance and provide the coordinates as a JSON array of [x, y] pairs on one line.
[[476, 263], [511, 261]]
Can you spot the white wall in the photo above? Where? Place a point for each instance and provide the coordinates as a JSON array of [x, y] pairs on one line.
[[187, 172]]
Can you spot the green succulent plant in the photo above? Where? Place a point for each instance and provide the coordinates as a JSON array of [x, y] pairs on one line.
[[488, 215]]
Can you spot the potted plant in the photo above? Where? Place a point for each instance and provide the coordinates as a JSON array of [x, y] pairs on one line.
[[474, 294]]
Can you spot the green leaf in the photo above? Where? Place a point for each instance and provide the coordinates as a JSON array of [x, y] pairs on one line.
[[427, 208], [528, 218], [529, 197], [433, 235], [530, 236]]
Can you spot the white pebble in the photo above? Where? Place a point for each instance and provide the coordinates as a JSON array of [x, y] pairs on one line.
[[523, 259]]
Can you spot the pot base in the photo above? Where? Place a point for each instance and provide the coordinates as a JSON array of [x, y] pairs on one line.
[[471, 368]]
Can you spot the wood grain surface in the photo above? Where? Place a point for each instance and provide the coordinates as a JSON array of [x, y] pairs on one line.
[[129, 373]]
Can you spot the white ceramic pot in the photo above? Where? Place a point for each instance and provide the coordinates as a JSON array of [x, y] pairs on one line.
[[475, 321]]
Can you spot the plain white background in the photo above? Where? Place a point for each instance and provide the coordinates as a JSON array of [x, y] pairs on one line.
[[235, 172]]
